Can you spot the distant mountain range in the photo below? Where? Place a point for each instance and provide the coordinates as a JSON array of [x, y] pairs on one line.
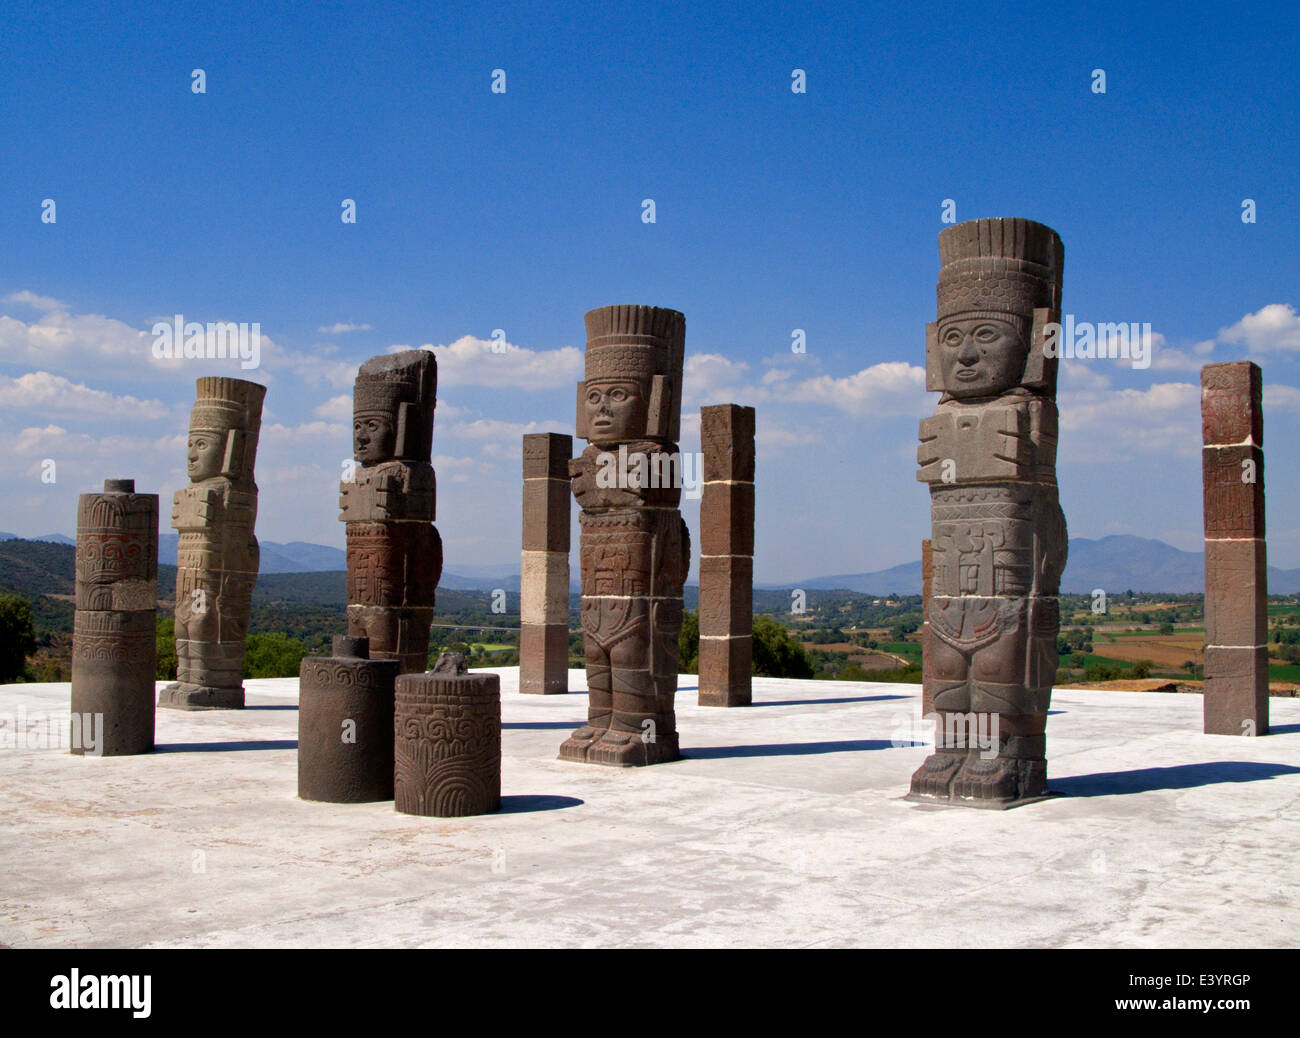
[[1118, 563]]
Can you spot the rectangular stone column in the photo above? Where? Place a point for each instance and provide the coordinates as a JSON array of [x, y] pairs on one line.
[[1236, 585], [727, 555], [544, 587], [927, 579]]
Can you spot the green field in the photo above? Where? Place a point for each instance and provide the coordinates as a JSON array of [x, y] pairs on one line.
[[1284, 672]]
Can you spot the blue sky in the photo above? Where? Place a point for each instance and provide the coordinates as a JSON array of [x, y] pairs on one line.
[[520, 211]]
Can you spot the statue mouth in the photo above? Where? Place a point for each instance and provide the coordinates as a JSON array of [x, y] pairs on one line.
[[966, 374]]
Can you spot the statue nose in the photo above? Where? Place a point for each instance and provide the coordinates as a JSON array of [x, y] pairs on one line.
[[969, 354]]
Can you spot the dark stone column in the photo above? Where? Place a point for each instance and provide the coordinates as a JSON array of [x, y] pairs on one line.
[[544, 583], [727, 555], [114, 622], [927, 580], [345, 725], [1236, 582]]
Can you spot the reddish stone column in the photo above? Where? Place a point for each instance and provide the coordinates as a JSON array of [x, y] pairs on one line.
[[727, 555], [544, 584], [927, 579], [1236, 585]]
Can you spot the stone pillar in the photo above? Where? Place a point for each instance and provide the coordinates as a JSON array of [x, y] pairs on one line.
[[998, 536], [927, 580], [394, 551], [635, 548], [448, 735], [114, 627], [345, 725], [544, 584], [1236, 582], [217, 555], [727, 555]]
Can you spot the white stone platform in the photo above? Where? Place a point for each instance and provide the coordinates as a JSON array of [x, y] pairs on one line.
[[784, 827]]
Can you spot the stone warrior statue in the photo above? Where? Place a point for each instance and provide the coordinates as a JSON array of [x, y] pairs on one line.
[[216, 565], [394, 551], [999, 537], [635, 548]]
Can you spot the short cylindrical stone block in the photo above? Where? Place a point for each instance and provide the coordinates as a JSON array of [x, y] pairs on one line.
[[1231, 398], [345, 725], [447, 730], [114, 630], [725, 665], [1233, 482]]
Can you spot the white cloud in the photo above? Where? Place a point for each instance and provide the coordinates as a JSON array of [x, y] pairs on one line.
[[1284, 398], [1113, 425], [1274, 327], [341, 328], [338, 408], [891, 388], [48, 393], [473, 362], [495, 430], [26, 298]]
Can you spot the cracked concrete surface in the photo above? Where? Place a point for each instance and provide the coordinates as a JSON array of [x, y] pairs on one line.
[[785, 826]]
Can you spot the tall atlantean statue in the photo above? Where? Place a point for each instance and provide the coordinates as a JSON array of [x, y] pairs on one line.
[[998, 535], [217, 555], [394, 551], [635, 548]]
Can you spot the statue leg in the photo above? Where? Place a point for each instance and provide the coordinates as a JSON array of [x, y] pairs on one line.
[[946, 676], [599, 696]]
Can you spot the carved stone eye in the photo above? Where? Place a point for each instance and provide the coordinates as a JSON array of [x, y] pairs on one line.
[[952, 337], [986, 333]]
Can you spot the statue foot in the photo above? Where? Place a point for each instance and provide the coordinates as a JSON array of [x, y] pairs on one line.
[[577, 745], [1000, 780], [631, 750], [934, 777]]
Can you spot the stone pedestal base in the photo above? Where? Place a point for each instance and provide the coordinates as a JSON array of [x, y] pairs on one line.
[[448, 744], [181, 696]]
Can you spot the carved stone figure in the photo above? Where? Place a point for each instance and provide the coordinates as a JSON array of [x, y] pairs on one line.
[[394, 552], [447, 731], [113, 626], [1236, 580], [635, 548], [998, 537], [345, 725], [216, 564], [727, 555], [544, 585]]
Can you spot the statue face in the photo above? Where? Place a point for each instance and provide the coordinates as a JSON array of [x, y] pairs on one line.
[[981, 356], [205, 453], [374, 439], [615, 411]]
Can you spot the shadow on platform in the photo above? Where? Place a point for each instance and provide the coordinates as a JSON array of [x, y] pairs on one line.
[[542, 725], [1282, 729], [271, 706], [226, 747], [791, 749], [523, 803], [1178, 776], [829, 702]]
